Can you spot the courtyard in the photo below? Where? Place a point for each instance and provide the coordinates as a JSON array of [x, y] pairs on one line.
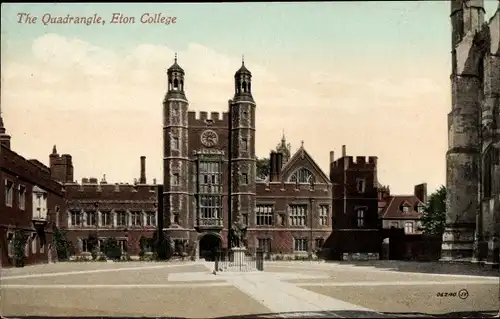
[[284, 289]]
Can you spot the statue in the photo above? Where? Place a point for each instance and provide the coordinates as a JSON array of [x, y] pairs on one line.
[[238, 232]]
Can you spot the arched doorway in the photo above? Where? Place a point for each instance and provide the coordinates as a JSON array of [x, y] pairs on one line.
[[209, 245]]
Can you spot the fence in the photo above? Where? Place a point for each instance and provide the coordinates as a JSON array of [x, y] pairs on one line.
[[239, 260]]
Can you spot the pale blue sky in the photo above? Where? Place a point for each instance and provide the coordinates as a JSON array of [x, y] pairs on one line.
[[389, 29]]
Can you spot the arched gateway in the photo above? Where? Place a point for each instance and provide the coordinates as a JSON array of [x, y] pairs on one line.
[[210, 243]]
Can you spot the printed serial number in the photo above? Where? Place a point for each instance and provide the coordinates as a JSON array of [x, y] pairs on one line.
[[446, 294]]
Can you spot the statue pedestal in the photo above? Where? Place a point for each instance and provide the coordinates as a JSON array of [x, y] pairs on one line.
[[239, 256]]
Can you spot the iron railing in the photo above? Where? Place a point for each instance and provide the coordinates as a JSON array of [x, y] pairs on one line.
[[238, 260]]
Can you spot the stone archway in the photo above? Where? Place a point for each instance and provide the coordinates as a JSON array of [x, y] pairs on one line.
[[209, 243]]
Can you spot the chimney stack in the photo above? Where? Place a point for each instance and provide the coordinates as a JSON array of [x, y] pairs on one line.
[[272, 166], [142, 180], [344, 151], [332, 157], [420, 191], [279, 164]]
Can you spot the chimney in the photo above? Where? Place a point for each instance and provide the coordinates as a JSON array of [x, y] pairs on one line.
[[421, 192], [344, 151], [272, 166], [279, 164], [142, 180], [332, 157]]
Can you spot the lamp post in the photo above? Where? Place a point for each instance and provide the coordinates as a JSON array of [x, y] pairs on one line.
[[96, 205]]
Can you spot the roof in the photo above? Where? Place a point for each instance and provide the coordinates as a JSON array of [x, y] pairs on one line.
[[300, 156], [392, 207], [242, 70]]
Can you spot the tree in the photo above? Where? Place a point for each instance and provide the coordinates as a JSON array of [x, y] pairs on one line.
[[262, 167], [19, 238], [111, 249], [64, 247], [93, 244], [434, 217]]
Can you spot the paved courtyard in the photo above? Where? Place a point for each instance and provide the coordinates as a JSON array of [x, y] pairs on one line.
[[284, 289]]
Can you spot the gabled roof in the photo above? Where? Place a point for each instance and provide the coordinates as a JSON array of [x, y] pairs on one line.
[[302, 156], [394, 203]]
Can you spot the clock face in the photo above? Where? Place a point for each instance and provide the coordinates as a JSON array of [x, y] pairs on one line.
[[209, 138]]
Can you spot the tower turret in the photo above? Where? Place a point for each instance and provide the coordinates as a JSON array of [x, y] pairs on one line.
[[4, 137], [242, 148], [175, 147]]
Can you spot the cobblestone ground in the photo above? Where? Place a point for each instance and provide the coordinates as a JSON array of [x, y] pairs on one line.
[[285, 289]]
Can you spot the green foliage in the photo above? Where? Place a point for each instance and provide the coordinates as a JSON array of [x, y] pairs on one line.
[[434, 217], [64, 247], [111, 249], [161, 246], [262, 165], [93, 245], [19, 245]]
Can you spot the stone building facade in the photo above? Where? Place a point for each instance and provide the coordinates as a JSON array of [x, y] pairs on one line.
[[473, 157], [31, 202]]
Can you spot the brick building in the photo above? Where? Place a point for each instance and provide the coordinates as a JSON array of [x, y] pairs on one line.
[[209, 167], [356, 226], [122, 211], [473, 158], [32, 202], [402, 211]]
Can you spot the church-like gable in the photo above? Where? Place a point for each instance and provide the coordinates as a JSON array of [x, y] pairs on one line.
[[301, 168]]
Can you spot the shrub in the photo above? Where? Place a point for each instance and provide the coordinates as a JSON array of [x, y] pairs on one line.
[[111, 249], [19, 238], [64, 247]]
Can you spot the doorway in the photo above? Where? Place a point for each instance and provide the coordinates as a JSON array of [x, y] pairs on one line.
[[209, 245]]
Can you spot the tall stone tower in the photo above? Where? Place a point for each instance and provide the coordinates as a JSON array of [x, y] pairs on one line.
[[462, 158], [242, 151], [472, 160], [175, 146]]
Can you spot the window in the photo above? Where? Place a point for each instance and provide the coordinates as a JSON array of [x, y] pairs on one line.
[[122, 243], [244, 179], [264, 215], [174, 142], [264, 244], [8, 193], [300, 244], [150, 219], [409, 228], [106, 218], [210, 207], [360, 185], [86, 245], [394, 224], [209, 180], [58, 210], [245, 219], [76, 218], [176, 218], [302, 175], [22, 197], [244, 144], [34, 246], [297, 215], [244, 114], [405, 208], [420, 209], [318, 243], [26, 248], [175, 179], [323, 215], [121, 219], [91, 218], [361, 217], [136, 218]]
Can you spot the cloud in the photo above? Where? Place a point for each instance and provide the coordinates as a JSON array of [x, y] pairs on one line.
[[103, 94]]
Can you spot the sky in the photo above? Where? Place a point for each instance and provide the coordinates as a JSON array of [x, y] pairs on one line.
[[373, 76]]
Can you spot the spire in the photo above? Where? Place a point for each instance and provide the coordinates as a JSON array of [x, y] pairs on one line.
[[243, 82], [54, 150], [175, 76], [242, 59], [175, 58]]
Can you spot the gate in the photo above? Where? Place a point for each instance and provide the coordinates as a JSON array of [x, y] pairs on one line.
[[238, 260]]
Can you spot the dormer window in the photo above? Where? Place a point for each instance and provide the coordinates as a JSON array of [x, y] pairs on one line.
[[420, 209], [405, 208]]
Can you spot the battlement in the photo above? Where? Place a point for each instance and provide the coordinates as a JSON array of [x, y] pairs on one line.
[[358, 162], [264, 188], [203, 118], [117, 191]]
